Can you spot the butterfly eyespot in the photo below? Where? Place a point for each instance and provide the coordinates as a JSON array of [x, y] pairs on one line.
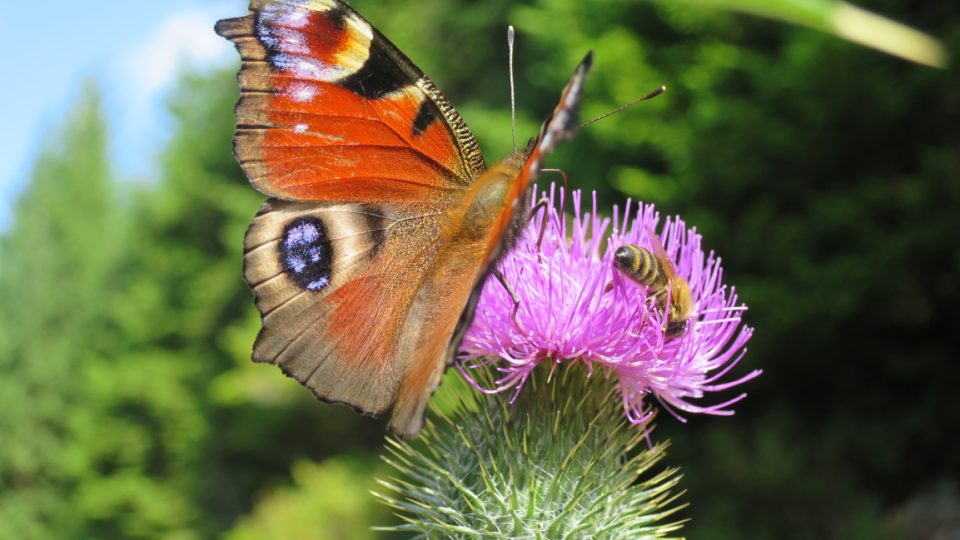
[[310, 44], [305, 253]]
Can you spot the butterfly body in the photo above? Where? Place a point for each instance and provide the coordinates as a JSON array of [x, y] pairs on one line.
[[383, 219]]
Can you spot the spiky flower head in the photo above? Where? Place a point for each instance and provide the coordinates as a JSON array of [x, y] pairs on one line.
[[557, 463], [575, 307]]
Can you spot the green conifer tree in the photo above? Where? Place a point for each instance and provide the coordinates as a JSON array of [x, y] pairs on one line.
[[56, 264]]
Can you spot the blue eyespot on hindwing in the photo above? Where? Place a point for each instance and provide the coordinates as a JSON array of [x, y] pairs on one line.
[[306, 253]]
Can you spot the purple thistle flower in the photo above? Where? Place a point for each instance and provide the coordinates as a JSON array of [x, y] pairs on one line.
[[574, 306]]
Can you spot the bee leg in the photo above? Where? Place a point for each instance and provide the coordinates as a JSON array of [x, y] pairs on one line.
[[643, 321], [661, 300], [668, 300], [506, 286]]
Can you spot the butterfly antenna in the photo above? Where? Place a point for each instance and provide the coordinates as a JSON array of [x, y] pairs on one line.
[[513, 97], [651, 95]]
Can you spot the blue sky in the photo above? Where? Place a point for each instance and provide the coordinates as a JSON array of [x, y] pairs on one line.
[[133, 49]]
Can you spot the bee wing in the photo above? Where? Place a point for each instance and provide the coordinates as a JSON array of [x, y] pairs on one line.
[[666, 263]]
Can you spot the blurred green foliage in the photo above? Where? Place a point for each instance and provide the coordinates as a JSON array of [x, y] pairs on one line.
[[330, 500], [826, 175], [56, 268]]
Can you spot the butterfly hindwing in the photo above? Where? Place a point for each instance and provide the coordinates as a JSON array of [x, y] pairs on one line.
[[355, 306], [334, 294]]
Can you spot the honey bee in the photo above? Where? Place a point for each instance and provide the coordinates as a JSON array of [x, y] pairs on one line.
[[656, 271]]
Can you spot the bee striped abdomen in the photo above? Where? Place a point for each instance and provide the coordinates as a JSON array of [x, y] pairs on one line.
[[637, 263]]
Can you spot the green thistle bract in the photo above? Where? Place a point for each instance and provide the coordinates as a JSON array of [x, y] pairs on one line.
[[560, 462]]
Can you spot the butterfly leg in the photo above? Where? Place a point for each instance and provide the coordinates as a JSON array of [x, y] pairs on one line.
[[544, 201], [563, 175], [513, 296], [539, 205]]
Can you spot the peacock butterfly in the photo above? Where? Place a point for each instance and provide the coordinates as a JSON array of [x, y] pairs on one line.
[[383, 220]]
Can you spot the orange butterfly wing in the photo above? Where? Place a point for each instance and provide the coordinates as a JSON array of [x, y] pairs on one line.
[[331, 110], [359, 264]]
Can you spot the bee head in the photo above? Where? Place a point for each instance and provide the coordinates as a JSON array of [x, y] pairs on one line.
[[623, 258]]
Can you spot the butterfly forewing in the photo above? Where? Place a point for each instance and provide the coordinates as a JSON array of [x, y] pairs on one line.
[[331, 110]]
